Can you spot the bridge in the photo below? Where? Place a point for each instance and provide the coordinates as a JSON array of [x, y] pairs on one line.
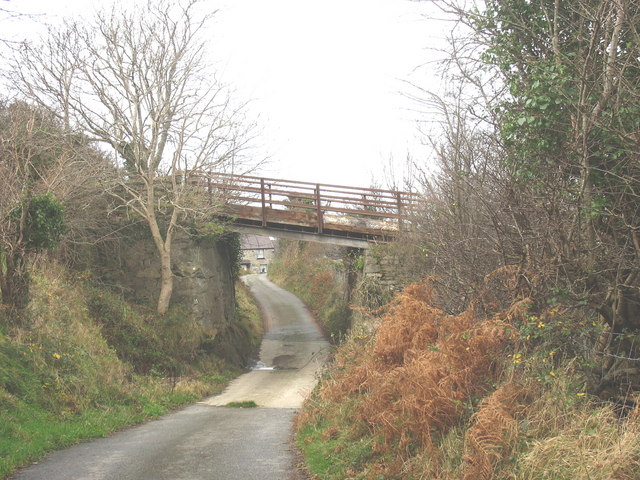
[[336, 214]]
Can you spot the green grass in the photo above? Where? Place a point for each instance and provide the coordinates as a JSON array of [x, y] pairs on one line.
[[30, 432], [250, 319], [332, 452], [242, 404], [334, 448], [27, 432], [32, 423]]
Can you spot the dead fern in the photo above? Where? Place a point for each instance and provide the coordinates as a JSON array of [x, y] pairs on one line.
[[417, 378], [422, 388], [494, 432]]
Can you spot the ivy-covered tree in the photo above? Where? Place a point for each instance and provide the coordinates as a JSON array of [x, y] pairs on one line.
[[564, 103], [572, 119]]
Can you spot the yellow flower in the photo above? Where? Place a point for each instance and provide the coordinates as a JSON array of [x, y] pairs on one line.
[[581, 394], [56, 355], [552, 373], [541, 324]]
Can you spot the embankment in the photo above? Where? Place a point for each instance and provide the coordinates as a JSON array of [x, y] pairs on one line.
[[89, 355]]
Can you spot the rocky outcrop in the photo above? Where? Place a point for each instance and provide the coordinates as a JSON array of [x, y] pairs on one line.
[[203, 282]]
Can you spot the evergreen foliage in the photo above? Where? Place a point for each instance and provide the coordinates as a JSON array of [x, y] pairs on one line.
[[44, 222]]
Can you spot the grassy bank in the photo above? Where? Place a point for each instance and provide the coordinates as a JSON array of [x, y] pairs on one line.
[[81, 362], [473, 396], [320, 282]]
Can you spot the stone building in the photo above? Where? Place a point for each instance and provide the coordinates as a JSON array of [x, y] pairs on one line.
[[257, 252]]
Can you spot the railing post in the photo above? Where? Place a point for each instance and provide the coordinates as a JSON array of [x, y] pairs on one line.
[[264, 206], [319, 209]]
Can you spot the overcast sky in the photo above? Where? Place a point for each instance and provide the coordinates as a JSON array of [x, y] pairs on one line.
[[325, 77]]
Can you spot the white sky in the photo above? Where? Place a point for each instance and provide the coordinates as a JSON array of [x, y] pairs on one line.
[[324, 77]]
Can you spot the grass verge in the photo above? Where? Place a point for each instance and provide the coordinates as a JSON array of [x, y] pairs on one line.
[[81, 362], [242, 404]]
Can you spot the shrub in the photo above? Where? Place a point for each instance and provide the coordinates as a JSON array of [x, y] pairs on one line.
[[44, 222], [480, 395]]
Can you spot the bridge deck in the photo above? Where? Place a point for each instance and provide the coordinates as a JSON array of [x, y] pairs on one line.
[[306, 222]]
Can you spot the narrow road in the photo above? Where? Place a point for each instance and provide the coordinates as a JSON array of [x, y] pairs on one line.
[[207, 440]]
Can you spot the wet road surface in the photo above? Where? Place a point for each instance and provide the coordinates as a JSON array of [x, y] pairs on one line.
[[291, 354], [207, 440]]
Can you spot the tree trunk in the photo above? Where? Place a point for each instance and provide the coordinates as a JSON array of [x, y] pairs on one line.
[[15, 282], [166, 281], [163, 245]]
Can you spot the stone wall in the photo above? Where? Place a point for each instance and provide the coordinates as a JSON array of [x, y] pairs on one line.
[[384, 267], [203, 282]]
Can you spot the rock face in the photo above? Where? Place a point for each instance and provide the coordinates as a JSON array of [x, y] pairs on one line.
[[385, 268], [203, 282]]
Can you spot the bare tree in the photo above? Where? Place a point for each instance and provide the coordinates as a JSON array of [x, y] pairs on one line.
[[137, 81]]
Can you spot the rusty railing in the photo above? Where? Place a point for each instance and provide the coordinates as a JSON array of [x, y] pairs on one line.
[[322, 203]]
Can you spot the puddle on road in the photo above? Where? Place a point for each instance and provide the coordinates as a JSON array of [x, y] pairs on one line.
[[281, 362], [284, 362], [261, 366]]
